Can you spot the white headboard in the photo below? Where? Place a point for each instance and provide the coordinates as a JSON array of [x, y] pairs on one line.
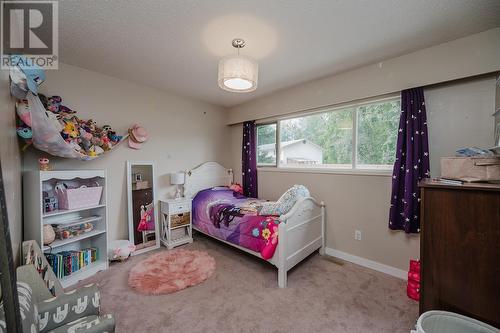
[[206, 175]]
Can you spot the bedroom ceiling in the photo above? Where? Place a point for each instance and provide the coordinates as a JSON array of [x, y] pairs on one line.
[[176, 45]]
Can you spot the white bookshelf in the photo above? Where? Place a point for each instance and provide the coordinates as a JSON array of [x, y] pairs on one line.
[[35, 217]]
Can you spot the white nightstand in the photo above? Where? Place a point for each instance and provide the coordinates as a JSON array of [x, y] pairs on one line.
[[176, 228]]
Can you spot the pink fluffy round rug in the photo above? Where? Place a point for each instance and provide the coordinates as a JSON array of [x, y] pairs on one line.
[[169, 271]]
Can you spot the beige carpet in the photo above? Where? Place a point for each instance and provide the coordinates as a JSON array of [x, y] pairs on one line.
[[323, 295]]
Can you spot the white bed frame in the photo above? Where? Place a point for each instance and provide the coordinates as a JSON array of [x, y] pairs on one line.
[[301, 232]]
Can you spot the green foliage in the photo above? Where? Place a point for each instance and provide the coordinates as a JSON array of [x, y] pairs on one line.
[[377, 133], [266, 134]]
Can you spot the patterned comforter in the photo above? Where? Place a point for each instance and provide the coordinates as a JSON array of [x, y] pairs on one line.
[[232, 217]]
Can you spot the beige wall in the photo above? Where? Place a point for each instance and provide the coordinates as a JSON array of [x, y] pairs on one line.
[[464, 57], [459, 114], [11, 163], [183, 133]]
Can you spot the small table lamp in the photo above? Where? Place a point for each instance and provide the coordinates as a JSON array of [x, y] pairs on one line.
[[177, 179]]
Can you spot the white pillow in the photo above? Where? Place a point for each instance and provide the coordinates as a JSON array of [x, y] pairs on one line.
[[285, 202]]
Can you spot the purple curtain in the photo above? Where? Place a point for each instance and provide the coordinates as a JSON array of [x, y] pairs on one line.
[[249, 160], [412, 162]]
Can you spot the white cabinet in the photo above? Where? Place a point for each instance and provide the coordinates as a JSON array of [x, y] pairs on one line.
[[38, 185], [176, 228]]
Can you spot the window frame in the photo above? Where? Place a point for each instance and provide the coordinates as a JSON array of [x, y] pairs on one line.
[[267, 165], [354, 169]]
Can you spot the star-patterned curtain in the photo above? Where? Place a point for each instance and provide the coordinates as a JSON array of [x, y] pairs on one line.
[[412, 162], [249, 160]]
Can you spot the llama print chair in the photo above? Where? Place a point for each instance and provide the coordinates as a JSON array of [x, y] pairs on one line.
[[56, 311]]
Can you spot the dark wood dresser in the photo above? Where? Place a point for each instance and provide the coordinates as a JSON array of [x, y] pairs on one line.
[[460, 249]]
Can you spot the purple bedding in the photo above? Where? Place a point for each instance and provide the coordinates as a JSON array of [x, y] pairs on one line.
[[232, 217]]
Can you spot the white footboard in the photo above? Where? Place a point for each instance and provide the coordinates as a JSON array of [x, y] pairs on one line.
[[301, 232]]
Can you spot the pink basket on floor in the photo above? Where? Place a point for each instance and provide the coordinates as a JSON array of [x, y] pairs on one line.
[[75, 198]]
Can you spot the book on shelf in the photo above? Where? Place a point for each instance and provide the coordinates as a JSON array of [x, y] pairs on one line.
[[65, 263]]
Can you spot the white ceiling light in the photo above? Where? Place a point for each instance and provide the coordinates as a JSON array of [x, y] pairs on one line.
[[238, 73]]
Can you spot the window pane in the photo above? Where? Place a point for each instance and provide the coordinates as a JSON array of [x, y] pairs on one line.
[[377, 134], [266, 144], [320, 140]]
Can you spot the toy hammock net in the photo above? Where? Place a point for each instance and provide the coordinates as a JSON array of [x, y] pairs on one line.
[[47, 137]]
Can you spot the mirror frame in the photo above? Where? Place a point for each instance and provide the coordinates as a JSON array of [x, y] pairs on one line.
[[130, 165]]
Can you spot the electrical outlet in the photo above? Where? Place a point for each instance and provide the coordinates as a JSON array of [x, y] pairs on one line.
[[357, 235]]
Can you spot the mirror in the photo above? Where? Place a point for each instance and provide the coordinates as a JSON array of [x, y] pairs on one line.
[[142, 217]]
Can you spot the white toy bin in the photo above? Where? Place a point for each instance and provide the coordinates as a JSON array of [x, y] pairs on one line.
[[449, 322]]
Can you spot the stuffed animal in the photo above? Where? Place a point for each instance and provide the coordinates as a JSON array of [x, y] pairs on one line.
[[95, 151], [96, 140], [89, 126], [120, 249], [43, 164], [60, 186], [53, 103], [236, 188], [113, 138], [23, 111], [43, 99], [24, 132], [92, 152], [106, 143], [65, 109], [86, 139], [69, 131]]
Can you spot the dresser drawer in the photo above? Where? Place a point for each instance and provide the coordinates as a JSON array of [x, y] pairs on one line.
[[179, 207]]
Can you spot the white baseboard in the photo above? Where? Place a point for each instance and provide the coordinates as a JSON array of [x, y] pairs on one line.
[[399, 273]]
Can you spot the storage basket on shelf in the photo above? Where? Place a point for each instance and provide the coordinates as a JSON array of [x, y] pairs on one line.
[[179, 219], [82, 197]]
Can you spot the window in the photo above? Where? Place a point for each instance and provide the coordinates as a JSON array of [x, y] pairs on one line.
[[266, 144], [323, 139], [378, 125], [360, 136]]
